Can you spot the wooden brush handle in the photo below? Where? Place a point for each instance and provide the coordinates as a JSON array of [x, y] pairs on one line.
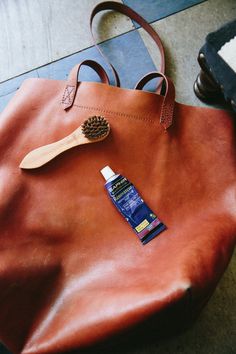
[[97, 127], [44, 154]]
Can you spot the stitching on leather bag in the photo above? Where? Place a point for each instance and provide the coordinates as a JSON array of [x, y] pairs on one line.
[[66, 98], [167, 115], [116, 113]]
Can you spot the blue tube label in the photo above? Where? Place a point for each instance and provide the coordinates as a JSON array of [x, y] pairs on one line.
[[141, 218]]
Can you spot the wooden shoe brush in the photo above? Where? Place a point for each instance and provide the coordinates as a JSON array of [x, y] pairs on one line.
[[94, 129]]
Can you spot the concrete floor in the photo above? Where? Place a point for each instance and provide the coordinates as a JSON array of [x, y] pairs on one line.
[[36, 33]]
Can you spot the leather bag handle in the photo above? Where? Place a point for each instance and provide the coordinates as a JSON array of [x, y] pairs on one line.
[[167, 109], [125, 10], [72, 82]]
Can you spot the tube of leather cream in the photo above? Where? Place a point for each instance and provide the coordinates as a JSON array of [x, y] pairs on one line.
[[127, 200]]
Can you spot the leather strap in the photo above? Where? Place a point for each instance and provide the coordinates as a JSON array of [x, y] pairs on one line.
[[72, 82], [167, 110], [110, 5]]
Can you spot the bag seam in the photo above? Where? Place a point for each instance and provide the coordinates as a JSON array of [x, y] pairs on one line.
[[115, 112]]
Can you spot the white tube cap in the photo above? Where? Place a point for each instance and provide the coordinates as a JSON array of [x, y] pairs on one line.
[[107, 173]]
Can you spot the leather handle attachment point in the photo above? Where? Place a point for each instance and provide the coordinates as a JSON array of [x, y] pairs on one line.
[[167, 109], [72, 82]]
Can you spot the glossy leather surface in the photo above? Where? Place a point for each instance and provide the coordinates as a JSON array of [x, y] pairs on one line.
[[72, 271]]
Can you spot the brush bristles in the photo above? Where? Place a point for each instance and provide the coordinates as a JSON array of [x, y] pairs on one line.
[[95, 127]]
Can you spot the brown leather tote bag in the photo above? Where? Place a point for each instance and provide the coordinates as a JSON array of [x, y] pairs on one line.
[[72, 271]]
